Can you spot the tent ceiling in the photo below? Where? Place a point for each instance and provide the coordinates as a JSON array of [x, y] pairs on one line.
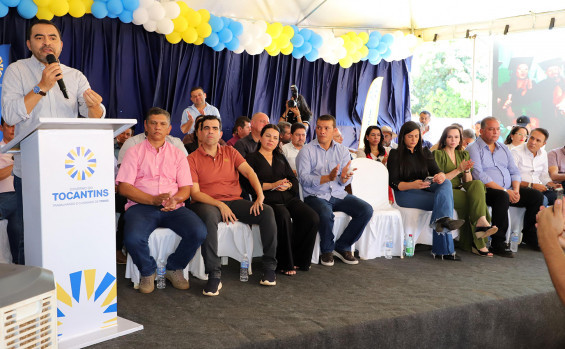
[[344, 15]]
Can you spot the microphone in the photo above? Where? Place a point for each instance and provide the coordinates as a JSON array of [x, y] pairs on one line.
[[51, 59]]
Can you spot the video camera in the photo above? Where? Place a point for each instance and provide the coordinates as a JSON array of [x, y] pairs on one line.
[[293, 102]]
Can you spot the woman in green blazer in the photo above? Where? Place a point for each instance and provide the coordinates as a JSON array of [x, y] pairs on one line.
[[468, 194]]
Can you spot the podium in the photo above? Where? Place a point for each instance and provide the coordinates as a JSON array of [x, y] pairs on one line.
[[69, 221]]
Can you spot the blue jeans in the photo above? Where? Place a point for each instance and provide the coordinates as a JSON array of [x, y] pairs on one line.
[[141, 220], [438, 199], [9, 211], [359, 210]]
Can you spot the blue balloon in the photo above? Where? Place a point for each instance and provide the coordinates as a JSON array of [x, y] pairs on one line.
[[373, 42], [295, 28], [99, 9], [236, 28], [212, 40], [306, 34], [3, 10], [130, 5], [225, 35], [382, 47], [312, 55], [306, 48], [233, 44], [376, 61], [375, 35], [386, 54], [216, 23], [373, 54], [115, 7], [387, 39], [27, 9], [297, 40], [11, 3], [297, 54], [316, 41], [219, 47], [227, 21], [112, 15], [126, 16]]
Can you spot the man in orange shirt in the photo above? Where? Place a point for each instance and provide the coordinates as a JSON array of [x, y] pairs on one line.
[[216, 198]]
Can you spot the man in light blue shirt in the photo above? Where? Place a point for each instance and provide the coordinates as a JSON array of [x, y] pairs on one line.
[[494, 166], [323, 168], [199, 107], [29, 92]]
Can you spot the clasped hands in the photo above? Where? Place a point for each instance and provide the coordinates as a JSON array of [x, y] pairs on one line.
[[439, 178], [168, 201], [282, 185]]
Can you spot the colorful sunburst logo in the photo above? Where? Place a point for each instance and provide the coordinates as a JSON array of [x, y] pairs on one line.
[[97, 302], [80, 163]]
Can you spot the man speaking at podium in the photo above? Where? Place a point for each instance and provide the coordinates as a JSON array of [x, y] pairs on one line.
[[29, 92]]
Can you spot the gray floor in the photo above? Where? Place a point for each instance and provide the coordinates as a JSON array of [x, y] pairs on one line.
[[325, 302]]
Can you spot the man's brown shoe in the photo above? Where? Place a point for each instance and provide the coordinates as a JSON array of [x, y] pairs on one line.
[[147, 284], [176, 278], [346, 257]]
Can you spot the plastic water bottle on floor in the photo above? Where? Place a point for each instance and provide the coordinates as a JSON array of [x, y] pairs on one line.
[[388, 245], [514, 242], [161, 269], [244, 270], [410, 246]]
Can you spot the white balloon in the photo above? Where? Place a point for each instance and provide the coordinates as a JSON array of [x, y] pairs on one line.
[[140, 16], [340, 52], [172, 9], [265, 40], [245, 39], [339, 41], [262, 26], [165, 26], [150, 25], [146, 3], [239, 49], [156, 11]]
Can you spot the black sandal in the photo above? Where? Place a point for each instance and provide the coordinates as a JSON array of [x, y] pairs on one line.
[[481, 253], [483, 232]]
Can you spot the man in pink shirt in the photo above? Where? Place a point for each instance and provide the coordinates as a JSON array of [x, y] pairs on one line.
[[156, 179]]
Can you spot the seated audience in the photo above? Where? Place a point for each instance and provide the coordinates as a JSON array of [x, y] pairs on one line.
[[155, 178], [388, 137], [468, 138], [216, 198], [248, 144], [531, 160], [556, 163], [374, 148], [241, 129], [468, 194], [425, 121], [409, 166], [297, 140], [518, 135], [284, 127], [8, 200], [324, 170], [199, 107], [120, 140], [297, 223], [495, 167], [192, 140]]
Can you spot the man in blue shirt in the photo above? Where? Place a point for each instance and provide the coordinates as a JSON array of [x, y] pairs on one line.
[[199, 107], [323, 168], [495, 167]]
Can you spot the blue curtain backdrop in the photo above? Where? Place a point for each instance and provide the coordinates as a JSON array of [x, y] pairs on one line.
[[134, 70]]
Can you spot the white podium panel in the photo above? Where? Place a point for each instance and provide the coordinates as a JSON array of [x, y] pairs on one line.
[[68, 198]]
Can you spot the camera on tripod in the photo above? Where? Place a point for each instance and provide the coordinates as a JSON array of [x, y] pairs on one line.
[[293, 102]]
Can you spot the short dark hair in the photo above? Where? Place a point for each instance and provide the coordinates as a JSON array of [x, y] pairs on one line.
[[240, 122], [543, 131], [158, 111], [2, 121], [41, 21], [443, 139], [426, 112], [196, 88], [327, 117], [297, 126], [487, 119], [210, 117], [468, 133], [284, 124]]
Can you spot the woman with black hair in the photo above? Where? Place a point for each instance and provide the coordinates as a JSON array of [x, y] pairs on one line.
[[518, 135], [373, 145], [295, 237], [419, 183]]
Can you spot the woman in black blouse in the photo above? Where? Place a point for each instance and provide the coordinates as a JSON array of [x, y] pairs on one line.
[[295, 237], [409, 166]]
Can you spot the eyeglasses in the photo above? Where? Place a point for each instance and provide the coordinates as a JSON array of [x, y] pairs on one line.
[[521, 134]]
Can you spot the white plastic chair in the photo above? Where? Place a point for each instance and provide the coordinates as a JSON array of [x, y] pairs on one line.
[[515, 221], [370, 183]]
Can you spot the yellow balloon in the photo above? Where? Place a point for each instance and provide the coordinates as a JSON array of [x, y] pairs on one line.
[[77, 8], [287, 50], [352, 35], [199, 41], [194, 18], [180, 24], [88, 5], [204, 30], [44, 13], [364, 37], [42, 3], [173, 38], [364, 50], [274, 52], [288, 31], [190, 35], [345, 62], [272, 47], [59, 7], [183, 8], [283, 40], [356, 56], [275, 29], [358, 42], [205, 15], [349, 47]]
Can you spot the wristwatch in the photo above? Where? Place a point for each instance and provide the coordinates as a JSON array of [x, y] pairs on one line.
[[38, 91]]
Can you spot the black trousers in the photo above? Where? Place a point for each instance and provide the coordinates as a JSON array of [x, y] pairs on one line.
[[530, 198]]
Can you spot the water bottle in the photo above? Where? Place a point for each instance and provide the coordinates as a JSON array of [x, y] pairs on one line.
[[514, 242], [410, 246], [161, 269], [403, 254], [388, 245], [244, 270]]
